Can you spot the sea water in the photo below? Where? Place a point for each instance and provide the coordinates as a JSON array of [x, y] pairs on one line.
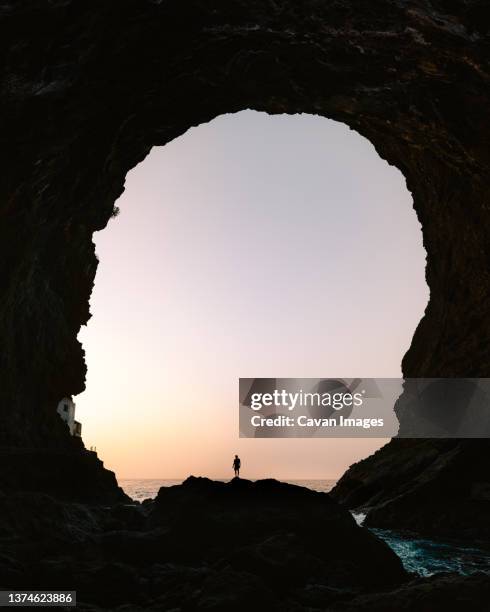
[[420, 555]]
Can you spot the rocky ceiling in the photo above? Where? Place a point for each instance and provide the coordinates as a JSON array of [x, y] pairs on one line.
[[89, 87]]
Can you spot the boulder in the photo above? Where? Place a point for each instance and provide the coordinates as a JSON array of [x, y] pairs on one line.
[[277, 531]]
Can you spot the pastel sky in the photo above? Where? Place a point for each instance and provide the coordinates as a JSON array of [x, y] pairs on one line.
[[253, 246]]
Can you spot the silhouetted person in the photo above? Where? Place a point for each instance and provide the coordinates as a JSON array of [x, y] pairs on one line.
[[236, 465]]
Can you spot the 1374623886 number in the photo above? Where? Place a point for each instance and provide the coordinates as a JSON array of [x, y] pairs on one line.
[[37, 598]]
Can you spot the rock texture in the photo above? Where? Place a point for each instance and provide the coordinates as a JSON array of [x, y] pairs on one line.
[[433, 487], [87, 88], [70, 476], [437, 594], [215, 547], [280, 532], [202, 545]]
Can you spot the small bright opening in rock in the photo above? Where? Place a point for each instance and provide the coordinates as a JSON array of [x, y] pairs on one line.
[[253, 246]]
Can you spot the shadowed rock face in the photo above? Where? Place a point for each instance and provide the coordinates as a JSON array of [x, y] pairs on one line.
[[278, 531], [202, 545], [88, 88], [71, 476], [217, 547], [434, 487], [437, 594]]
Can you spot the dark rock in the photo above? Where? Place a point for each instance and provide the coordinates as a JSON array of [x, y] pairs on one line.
[[11, 571], [280, 547], [128, 516], [81, 108], [434, 487], [111, 584], [317, 596], [140, 547], [88, 88], [184, 588], [436, 594], [68, 474], [35, 518], [174, 583], [241, 591], [272, 529]]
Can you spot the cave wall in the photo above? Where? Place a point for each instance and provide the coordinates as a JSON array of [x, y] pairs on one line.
[[89, 87]]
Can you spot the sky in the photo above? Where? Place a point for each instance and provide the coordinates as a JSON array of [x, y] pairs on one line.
[[251, 246]]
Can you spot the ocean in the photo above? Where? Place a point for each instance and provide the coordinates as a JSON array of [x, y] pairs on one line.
[[422, 556]]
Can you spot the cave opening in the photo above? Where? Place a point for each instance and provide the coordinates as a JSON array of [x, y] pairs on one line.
[[253, 245]]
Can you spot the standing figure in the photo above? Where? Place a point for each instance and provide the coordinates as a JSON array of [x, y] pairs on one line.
[[236, 465]]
